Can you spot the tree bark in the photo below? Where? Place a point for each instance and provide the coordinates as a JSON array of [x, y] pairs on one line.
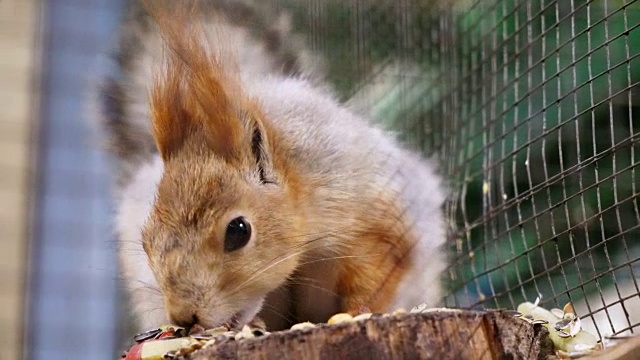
[[438, 334]]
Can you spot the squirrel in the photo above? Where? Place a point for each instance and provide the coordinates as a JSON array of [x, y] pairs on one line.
[[246, 189]]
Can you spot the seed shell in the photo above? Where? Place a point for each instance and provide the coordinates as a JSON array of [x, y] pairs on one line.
[[303, 325], [147, 335], [364, 316], [419, 308]]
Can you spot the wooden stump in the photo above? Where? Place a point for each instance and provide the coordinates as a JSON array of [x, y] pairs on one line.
[[438, 334]]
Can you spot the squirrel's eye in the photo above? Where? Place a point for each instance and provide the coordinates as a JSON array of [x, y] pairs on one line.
[[238, 234]]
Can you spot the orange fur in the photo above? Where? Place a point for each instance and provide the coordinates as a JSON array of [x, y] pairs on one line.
[[365, 274], [371, 281]]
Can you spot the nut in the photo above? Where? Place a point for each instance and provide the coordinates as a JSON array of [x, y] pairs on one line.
[[399, 311], [340, 318], [303, 325]]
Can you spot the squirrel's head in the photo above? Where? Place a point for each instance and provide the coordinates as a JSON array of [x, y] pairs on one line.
[[225, 223]]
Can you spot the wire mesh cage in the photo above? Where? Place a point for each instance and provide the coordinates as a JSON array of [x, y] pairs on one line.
[[530, 106], [531, 109], [550, 147]]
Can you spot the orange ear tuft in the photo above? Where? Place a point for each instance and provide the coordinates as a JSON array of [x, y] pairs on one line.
[[195, 93], [171, 123]]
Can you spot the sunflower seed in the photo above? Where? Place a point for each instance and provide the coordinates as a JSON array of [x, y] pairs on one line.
[[147, 335], [539, 322], [575, 327], [562, 324], [568, 308], [563, 334], [513, 313]]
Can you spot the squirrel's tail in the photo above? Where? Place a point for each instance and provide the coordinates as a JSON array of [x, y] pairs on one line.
[[120, 101]]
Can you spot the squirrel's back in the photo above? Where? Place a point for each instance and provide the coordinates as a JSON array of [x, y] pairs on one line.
[[347, 155]]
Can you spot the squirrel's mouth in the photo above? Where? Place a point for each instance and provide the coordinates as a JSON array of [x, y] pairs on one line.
[[244, 316], [234, 321]]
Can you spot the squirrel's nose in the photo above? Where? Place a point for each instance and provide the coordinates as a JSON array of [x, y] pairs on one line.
[[186, 319]]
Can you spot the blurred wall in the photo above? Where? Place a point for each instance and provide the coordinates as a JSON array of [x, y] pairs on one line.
[[72, 291], [18, 19]]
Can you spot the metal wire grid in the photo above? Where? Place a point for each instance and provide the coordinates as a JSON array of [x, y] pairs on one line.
[[557, 157], [530, 107]]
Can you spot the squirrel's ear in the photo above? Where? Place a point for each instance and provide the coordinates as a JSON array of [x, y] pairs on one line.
[[197, 94], [261, 136], [193, 104], [169, 119]]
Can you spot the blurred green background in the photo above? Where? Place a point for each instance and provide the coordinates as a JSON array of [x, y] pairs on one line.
[[531, 108]]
